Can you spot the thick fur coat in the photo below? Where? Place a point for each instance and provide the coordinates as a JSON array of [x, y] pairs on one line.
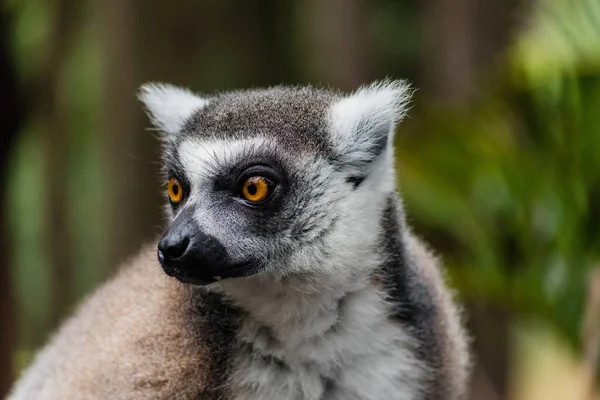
[[321, 293]]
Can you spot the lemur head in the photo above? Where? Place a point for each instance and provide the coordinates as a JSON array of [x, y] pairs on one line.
[[273, 182]]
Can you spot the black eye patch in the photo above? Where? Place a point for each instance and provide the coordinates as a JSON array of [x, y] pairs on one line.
[[355, 181]]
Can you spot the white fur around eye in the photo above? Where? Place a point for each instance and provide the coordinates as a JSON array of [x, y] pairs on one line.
[[169, 106]]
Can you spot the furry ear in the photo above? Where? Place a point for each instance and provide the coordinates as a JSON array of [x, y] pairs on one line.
[[362, 124], [169, 106]]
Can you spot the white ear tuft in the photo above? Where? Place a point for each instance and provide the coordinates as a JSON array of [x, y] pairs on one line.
[[362, 124], [169, 106]]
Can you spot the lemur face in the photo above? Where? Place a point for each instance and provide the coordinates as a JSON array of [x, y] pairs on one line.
[[270, 181]]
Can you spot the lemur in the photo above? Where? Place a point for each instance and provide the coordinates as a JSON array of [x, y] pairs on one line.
[[296, 275]]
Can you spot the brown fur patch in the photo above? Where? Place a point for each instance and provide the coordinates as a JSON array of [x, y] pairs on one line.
[[132, 339]]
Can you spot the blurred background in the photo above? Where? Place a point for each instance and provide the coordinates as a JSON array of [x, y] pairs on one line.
[[499, 160]]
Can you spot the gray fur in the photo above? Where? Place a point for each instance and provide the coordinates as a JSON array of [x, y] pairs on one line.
[[294, 117], [341, 300]]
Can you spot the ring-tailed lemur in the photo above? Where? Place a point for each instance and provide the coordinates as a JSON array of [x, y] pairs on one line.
[[297, 276]]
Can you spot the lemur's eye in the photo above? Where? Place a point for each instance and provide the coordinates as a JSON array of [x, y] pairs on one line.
[[175, 191], [256, 189]]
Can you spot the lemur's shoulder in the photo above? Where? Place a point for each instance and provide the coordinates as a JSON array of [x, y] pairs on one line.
[[140, 335], [415, 280], [453, 359]]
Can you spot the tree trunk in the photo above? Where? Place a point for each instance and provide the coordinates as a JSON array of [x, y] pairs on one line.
[[449, 61], [9, 121], [463, 40], [58, 233], [128, 150], [192, 48], [490, 378], [336, 52]]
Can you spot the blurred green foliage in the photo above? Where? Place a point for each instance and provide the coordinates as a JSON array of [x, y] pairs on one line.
[[80, 87], [509, 189]]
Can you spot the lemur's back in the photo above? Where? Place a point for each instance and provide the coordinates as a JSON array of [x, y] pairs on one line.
[[137, 337]]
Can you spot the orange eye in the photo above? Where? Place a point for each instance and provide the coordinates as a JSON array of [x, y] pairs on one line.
[[175, 191], [256, 189]]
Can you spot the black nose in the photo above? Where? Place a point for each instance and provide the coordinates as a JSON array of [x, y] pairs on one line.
[[173, 247], [187, 253], [191, 255]]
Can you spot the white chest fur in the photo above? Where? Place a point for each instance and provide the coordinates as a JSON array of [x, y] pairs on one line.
[[348, 349]]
